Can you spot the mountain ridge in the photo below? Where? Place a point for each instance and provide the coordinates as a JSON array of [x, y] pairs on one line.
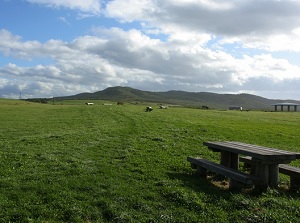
[[191, 99]]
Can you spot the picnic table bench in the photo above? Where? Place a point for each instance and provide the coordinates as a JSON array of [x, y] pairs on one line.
[[267, 161], [236, 177]]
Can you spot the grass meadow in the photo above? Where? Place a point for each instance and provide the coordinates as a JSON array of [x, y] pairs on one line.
[[69, 162]]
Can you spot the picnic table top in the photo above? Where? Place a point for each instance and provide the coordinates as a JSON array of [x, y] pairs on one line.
[[255, 151]]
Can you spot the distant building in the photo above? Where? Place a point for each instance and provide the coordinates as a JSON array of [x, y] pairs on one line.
[[239, 108], [286, 106]]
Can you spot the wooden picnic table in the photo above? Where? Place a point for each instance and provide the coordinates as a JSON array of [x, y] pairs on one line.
[[266, 159]]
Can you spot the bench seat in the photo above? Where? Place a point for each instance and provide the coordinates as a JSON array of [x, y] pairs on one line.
[[292, 171], [236, 177]]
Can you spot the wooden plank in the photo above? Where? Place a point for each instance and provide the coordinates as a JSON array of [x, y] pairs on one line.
[[254, 149], [260, 152], [266, 149], [242, 146], [237, 149], [226, 171], [248, 160], [289, 170]]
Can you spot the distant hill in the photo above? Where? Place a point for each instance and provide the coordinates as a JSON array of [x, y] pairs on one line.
[[191, 99]]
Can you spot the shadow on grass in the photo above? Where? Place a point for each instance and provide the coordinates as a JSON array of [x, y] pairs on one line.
[[209, 185], [217, 185]]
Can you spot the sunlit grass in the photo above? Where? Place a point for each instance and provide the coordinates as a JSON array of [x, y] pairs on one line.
[[68, 162]]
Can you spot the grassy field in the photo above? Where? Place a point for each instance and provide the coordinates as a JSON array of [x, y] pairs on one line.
[[68, 162]]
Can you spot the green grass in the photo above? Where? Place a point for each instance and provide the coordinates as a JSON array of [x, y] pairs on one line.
[[69, 162]]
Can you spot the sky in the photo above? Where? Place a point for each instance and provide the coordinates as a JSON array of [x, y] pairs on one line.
[[51, 48]]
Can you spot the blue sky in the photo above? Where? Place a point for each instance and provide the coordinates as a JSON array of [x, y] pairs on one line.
[[64, 47]]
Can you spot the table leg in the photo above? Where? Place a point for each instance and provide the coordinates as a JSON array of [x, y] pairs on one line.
[[201, 171], [234, 161], [230, 159], [225, 158], [273, 175], [295, 183], [262, 171], [225, 161]]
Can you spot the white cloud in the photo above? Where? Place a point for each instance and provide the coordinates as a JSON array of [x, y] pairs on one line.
[[92, 7], [266, 67], [193, 56], [130, 10], [64, 20], [132, 58], [269, 25], [275, 43], [272, 43]]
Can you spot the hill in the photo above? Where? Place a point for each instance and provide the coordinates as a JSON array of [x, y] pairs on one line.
[[191, 99]]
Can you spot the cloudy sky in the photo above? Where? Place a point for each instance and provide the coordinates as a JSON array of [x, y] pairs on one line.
[[64, 47]]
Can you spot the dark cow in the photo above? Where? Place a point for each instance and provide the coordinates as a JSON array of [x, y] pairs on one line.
[[149, 109]]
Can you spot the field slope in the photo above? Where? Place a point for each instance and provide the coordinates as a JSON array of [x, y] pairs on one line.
[[70, 162]]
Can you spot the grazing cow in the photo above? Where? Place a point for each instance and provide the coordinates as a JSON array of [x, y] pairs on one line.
[[204, 107], [149, 109], [163, 107], [89, 103]]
